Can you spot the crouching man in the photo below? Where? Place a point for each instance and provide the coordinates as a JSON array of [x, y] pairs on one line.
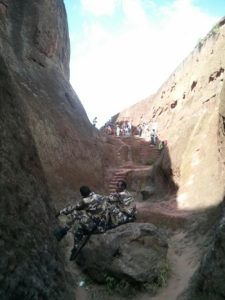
[[123, 208], [89, 215]]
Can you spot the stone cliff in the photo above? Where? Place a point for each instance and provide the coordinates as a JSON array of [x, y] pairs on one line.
[[48, 147], [35, 49], [31, 266], [188, 111]]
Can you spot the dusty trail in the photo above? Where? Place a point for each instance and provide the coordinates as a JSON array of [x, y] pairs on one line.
[[184, 249], [183, 255]]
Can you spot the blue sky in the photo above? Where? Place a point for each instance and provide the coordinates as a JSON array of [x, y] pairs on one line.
[[123, 50]]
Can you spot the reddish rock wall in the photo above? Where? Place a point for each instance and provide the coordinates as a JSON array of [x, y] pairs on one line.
[[189, 112]]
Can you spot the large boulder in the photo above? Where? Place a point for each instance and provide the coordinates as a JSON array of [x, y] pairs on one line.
[[135, 252]]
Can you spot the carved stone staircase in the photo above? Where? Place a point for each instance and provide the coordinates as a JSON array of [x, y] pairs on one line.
[[135, 153]]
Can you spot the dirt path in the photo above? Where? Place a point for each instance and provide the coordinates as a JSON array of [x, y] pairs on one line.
[[183, 255]]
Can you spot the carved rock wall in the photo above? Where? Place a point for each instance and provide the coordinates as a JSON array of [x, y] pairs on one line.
[[34, 44], [189, 112], [31, 264], [48, 147]]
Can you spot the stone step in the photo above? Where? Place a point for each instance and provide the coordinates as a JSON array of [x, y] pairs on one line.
[[115, 180], [139, 152], [160, 215]]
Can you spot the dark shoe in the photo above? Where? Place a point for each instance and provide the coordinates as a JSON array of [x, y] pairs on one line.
[[78, 247], [60, 232], [74, 252]]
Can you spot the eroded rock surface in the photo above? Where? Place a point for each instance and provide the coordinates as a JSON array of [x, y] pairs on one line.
[[189, 111], [31, 265], [34, 46], [208, 281]]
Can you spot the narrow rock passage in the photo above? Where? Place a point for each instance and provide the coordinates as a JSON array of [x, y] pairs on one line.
[[184, 250]]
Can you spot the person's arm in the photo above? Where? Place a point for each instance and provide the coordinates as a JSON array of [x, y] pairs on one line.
[[69, 209], [126, 200], [80, 205]]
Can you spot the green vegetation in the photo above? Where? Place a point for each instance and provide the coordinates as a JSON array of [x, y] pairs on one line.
[[123, 287], [214, 30], [164, 275], [115, 285], [160, 281], [212, 33]]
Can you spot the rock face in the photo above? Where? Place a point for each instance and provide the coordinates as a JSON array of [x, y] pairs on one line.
[[45, 147], [189, 112], [133, 252], [208, 281], [31, 266], [34, 46], [48, 147]]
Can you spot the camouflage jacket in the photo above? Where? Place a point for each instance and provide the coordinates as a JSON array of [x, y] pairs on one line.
[[124, 201], [94, 204]]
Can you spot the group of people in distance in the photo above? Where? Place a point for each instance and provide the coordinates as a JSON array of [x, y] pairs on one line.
[[96, 213], [122, 128]]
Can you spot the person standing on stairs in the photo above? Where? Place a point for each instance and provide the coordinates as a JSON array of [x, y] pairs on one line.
[[153, 137], [117, 130], [123, 208]]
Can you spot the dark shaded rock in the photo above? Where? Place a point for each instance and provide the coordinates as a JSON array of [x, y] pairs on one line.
[[133, 252], [162, 174], [31, 266], [147, 192], [208, 281]]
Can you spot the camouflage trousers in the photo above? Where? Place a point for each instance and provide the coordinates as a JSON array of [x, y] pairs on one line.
[[118, 217], [83, 224]]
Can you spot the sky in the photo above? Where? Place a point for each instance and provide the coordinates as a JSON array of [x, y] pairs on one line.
[[123, 50]]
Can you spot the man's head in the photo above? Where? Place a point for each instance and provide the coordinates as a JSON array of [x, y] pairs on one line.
[[85, 191], [121, 186]]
